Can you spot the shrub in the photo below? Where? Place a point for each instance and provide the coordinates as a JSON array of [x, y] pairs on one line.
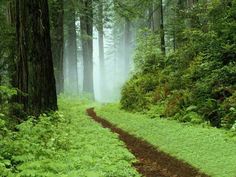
[[136, 94], [228, 111]]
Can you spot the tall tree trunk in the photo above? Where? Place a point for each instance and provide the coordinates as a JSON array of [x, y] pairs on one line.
[[156, 17], [86, 24], [11, 20], [102, 82], [179, 25], [150, 17], [57, 33], [127, 46], [162, 30], [11, 16], [35, 79], [72, 51]]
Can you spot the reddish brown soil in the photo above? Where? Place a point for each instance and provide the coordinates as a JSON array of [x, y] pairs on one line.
[[151, 161]]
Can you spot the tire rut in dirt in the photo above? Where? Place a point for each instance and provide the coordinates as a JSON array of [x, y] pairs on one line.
[[151, 161]]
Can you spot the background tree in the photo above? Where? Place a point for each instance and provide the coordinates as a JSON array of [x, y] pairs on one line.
[[71, 47], [57, 38], [86, 27]]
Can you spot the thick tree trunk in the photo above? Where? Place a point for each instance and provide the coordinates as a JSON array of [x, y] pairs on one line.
[[86, 24], [57, 33], [72, 52], [35, 79], [22, 60]]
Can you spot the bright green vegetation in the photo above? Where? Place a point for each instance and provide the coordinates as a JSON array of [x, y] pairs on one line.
[[209, 149], [65, 143], [196, 80]]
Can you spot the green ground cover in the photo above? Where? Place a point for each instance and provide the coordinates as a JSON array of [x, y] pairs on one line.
[[65, 144], [209, 149]]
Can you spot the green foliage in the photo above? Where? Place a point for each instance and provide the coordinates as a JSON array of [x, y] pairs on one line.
[[189, 115], [65, 143], [133, 93], [228, 111], [6, 94], [148, 56], [136, 93], [209, 149], [7, 46], [200, 73]]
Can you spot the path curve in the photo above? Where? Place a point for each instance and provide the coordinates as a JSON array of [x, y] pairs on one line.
[[151, 161]]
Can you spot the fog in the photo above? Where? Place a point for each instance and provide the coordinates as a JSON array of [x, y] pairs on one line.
[[117, 55]]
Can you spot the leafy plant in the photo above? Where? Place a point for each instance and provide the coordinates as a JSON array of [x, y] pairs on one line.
[[63, 144]]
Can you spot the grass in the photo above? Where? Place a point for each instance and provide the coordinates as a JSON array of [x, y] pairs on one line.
[[65, 144], [206, 148]]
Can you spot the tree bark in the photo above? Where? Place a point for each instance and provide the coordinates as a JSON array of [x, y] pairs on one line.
[[156, 17], [57, 33], [35, 80], [72, 51], [86, 24], [11, 21], [102, 82], [162, 30], [11, 16]]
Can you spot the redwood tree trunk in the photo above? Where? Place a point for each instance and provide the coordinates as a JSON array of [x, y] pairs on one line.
[[57, 33], [35, 79], [102, 82], [162, 30], [86, 24], [127, 46], [156, 17], [72, 51]]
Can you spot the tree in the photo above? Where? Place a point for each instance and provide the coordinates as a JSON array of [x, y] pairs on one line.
[[35, 75], [127, 46], [57, 36], [71, 47], [86, 25], [162, 30], [101, 45], [156, 17]]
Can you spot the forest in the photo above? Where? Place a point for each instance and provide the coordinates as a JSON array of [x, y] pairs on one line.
[[117, 88]]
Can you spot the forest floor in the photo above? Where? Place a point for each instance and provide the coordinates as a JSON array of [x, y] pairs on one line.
[[113, 142], [211, 150], [151, 161]]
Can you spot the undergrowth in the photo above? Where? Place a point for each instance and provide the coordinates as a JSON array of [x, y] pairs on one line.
[[209, 149], [64, 143], [196, 82]]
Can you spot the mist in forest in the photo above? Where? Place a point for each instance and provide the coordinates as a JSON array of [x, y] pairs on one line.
[[118, 52]]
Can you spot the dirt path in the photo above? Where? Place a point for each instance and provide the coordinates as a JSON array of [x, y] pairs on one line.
[[152, 162]]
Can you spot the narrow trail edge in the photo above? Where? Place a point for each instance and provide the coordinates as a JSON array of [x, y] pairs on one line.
[[151, 161]]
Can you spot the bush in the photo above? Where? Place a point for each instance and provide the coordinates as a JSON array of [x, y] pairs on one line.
[[136, 94], [228, 111]]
